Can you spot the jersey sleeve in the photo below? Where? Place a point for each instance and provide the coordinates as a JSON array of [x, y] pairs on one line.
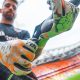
[[25, 35]]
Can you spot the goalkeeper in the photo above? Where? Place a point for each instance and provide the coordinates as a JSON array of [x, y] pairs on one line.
[[17, 50], [15, 55]]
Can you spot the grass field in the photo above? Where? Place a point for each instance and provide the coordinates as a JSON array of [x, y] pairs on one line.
[[75, 77]]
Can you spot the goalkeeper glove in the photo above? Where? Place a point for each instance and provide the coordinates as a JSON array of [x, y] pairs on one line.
[[17, 55]]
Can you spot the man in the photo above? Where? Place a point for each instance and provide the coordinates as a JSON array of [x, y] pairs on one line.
[[9, 33], [15, 54]]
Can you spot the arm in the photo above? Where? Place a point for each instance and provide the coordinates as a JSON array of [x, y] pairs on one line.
[[54, 26]]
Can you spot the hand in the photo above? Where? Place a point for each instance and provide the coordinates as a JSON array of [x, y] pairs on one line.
[[63, 19], [17, 55]]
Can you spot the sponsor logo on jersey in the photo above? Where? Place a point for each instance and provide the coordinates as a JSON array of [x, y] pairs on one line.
[[2, 34]]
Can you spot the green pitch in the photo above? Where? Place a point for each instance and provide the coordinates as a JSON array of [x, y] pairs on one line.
[[74, 77]]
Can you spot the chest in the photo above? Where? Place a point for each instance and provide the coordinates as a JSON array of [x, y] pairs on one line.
[[8, 34]]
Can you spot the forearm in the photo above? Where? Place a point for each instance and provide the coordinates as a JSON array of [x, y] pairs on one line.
[[41, 45], [75, 2]]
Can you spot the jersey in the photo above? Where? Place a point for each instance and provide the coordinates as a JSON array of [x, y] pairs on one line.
[[9, 32]]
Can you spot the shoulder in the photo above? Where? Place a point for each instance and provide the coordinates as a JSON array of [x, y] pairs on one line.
[[20, 30], [17, 30], [24, 34]]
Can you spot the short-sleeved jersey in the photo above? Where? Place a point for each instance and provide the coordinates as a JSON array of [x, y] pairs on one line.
[[9, 32]]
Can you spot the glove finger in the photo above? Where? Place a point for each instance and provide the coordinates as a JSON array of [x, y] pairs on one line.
[[20, 70], [19, 50], [28, 54], [25, 63], [23, 66]]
